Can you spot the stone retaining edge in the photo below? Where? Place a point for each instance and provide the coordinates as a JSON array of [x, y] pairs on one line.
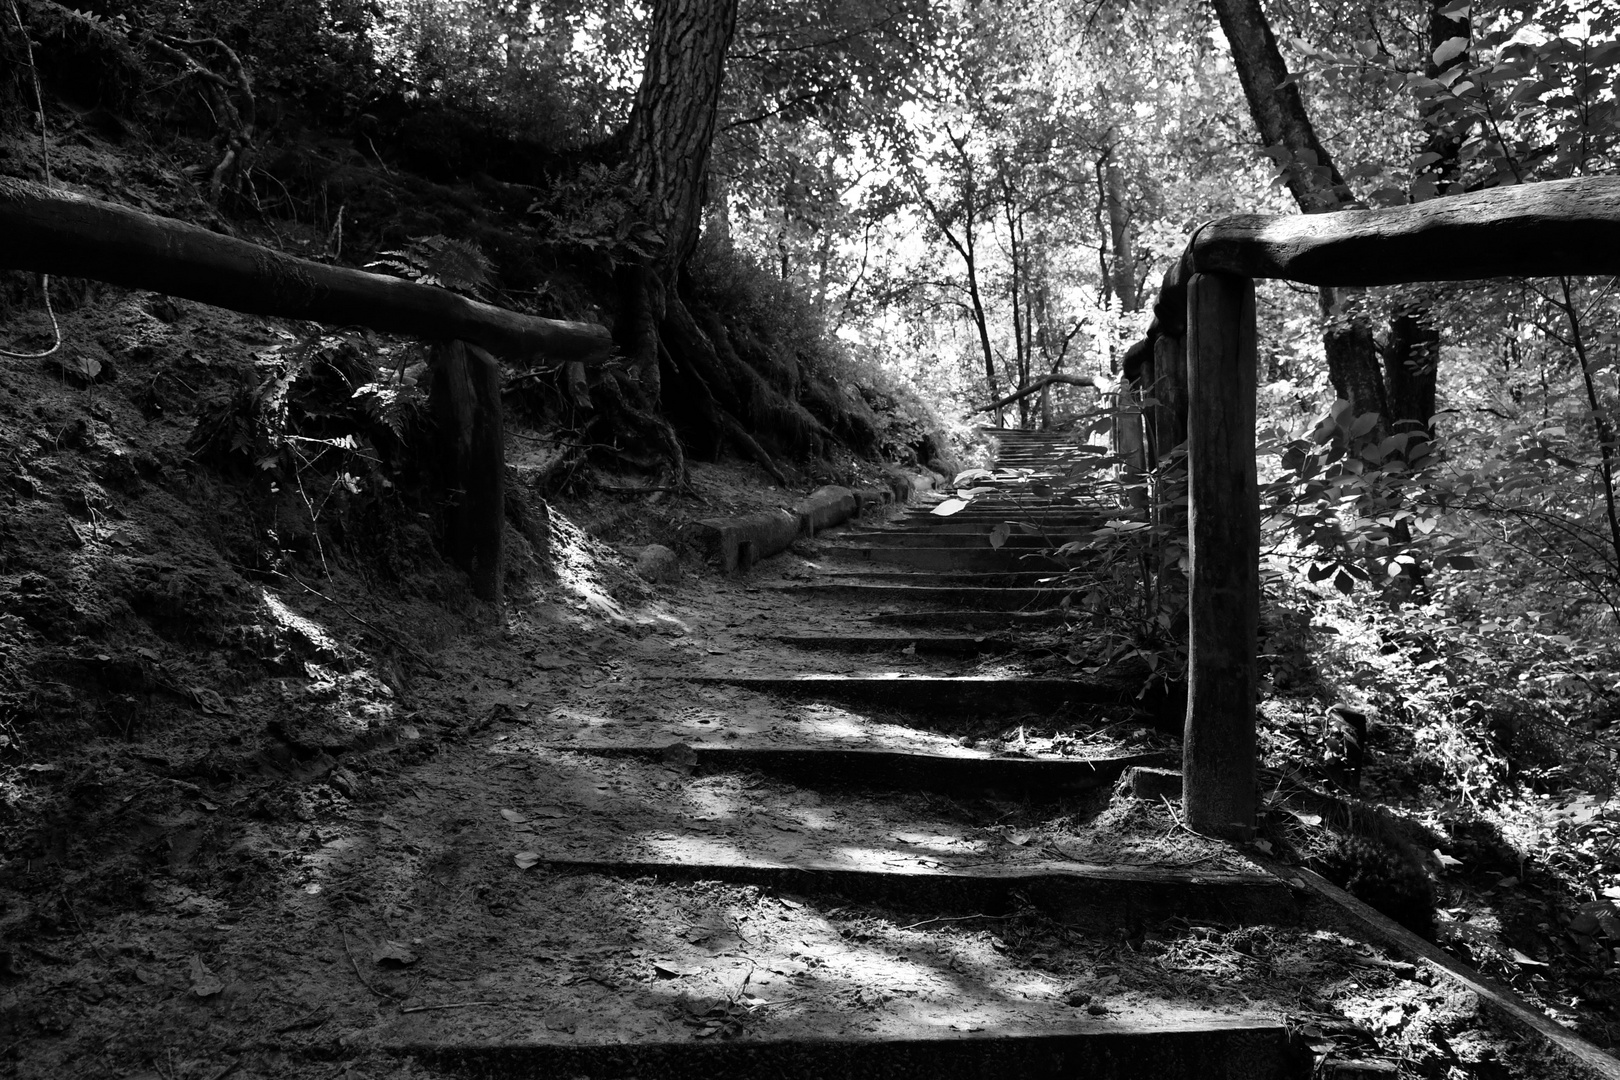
[[737, 543]]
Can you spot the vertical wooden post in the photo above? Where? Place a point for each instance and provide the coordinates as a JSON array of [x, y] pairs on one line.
[[465, 397], [1129, 444], [1219, 749], [1169, 388]]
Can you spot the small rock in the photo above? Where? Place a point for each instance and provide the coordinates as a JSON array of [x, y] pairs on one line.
[[658, 564], [1078, 999]]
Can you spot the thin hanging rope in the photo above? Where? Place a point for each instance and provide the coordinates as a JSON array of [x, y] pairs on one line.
[[45, 156]]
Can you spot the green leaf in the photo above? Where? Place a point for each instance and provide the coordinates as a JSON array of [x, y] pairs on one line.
[[1449, 50], [999, 534], [949, 507]]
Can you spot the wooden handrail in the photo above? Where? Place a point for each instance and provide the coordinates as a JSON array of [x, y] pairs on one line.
[[58, 232], [1530, 230], [1204, 326]]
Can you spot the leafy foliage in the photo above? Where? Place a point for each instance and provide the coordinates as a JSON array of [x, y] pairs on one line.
[[327, 422], [597, 216], [456, 265]]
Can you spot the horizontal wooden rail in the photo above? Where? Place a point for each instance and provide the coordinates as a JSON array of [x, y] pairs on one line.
[[58, 232], [1531, 230], [1203, 325]]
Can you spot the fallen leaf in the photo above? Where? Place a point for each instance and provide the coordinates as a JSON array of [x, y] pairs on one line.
[[513, 816], [1446, 861], [209, 701], [393, 954], [1526, 961], [1019, 839], [547, 812], [667, 969], [526, 859], [204, 983]]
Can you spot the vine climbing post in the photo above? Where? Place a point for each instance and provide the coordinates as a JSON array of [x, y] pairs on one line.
[[1218, 764]]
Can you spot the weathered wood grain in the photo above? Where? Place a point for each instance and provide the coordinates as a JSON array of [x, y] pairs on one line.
[[1219, 745], [59, 232], [1531, 230]]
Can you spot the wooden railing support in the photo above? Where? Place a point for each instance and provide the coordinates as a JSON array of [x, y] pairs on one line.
[[1218, 763], [469, 445], [1169, 388]]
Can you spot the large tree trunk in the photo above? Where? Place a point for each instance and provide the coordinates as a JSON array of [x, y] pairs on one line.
[[671, 132], [1279, 115]]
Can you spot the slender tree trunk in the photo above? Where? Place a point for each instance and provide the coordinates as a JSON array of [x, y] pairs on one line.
[[1020, 361], [965, 247], [1412, 360], [1279, 115], [1119, 226]]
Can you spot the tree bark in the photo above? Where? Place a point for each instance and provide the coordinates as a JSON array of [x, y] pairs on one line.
[[1280, 117], [671, 132], [673, 120], [1119, 226], [1411, 363], [57, 232], [1412, 359]]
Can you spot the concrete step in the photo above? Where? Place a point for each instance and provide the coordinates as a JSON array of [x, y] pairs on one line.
[[1189, 1047], [1004, 599], [945, 644], [1042, 779], [1089, 897], [945, 695]]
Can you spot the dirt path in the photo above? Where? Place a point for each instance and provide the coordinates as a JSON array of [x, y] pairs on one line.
[[682, 845]]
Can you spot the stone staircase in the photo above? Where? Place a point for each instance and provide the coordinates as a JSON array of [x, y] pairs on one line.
[[942, 909]]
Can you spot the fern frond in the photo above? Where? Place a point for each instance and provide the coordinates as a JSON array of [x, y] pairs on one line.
[[441, 261]]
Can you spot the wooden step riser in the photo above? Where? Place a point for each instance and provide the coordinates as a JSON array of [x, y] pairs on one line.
[[956, 537], [979, 621], [1093, 899], [814, 767], [1242, 1050], [931, 696], [957, 559], [957, 645], [941, 596], [1025, 579]]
